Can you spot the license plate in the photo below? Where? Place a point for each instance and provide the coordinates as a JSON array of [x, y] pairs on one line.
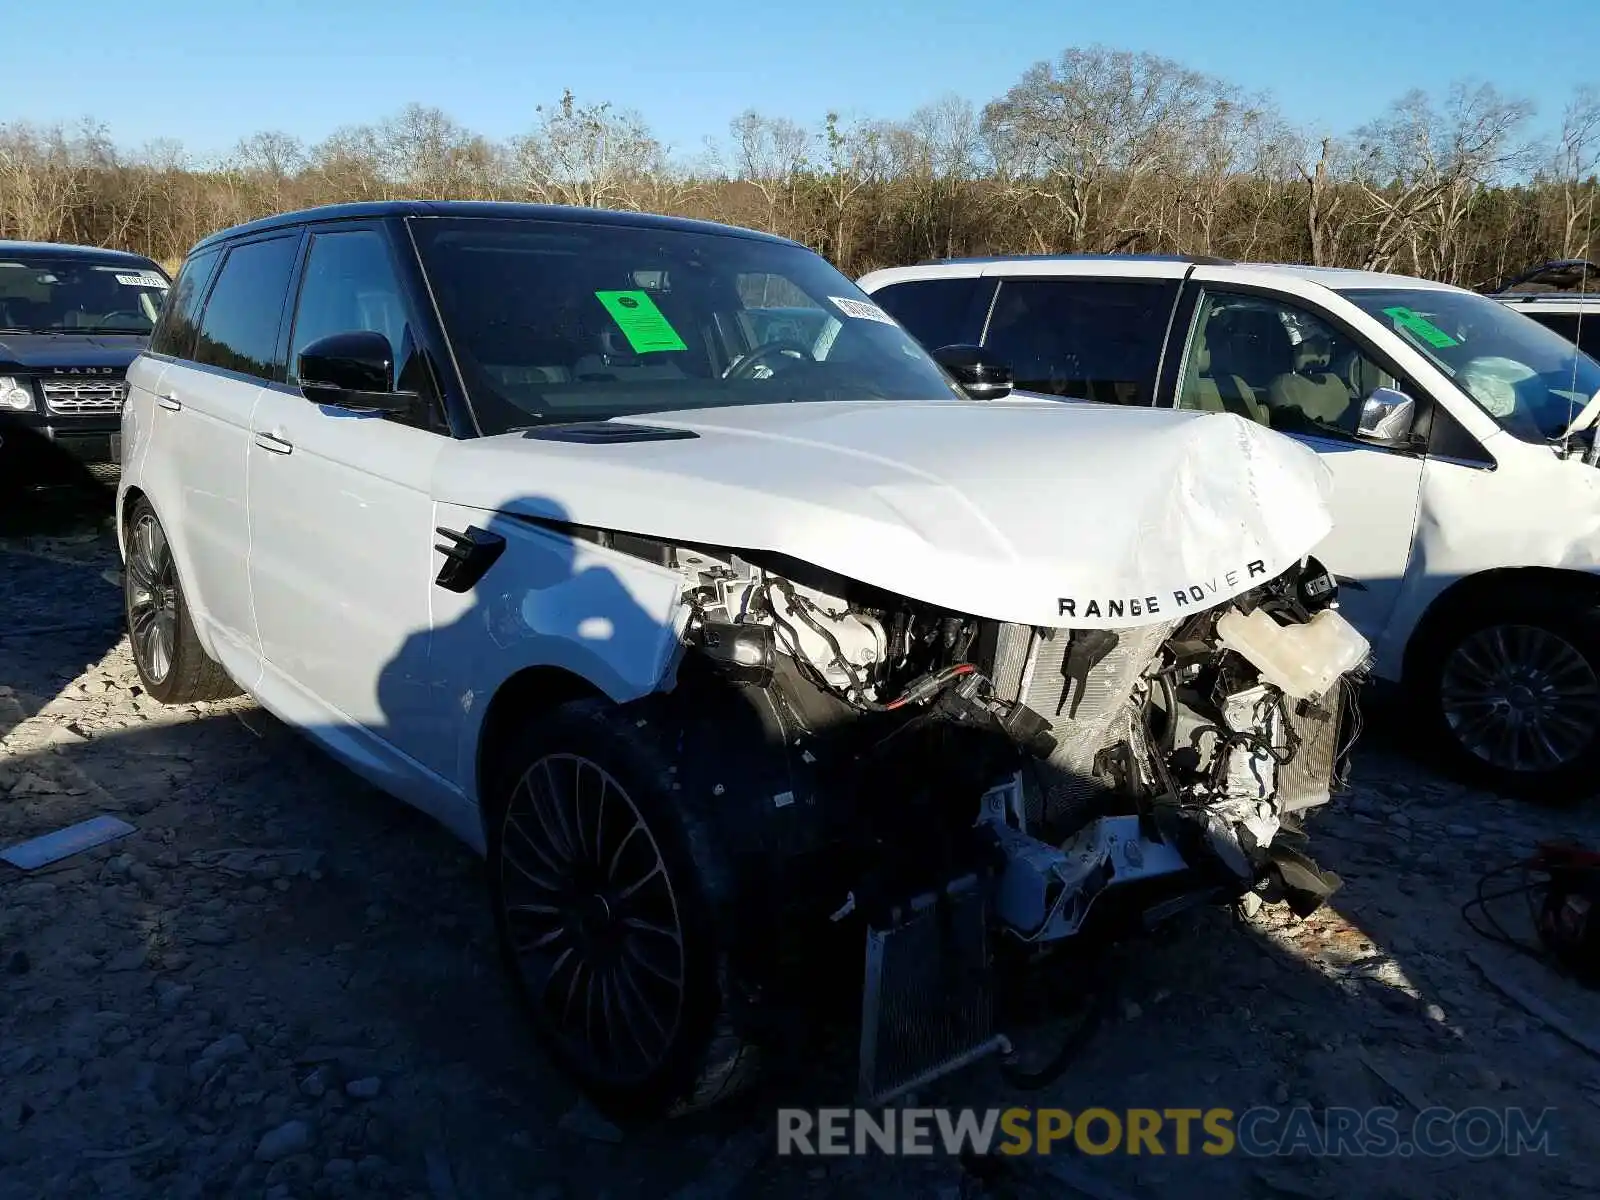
[[116, 448]]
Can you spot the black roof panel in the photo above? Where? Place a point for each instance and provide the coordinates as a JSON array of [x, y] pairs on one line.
[[63, 250], [371, 210]]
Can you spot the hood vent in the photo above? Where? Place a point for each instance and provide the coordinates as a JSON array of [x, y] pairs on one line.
[[599, 433]]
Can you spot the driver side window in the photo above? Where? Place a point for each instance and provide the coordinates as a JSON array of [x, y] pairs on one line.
[[1277, 364]]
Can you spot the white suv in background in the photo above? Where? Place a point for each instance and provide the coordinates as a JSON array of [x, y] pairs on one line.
[[1460, 436], [1557, 296]]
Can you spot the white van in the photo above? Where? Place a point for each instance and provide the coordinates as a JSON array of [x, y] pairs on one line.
[[1461, 436]]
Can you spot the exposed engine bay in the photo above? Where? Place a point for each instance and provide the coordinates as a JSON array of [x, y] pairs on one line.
[[942, 773]]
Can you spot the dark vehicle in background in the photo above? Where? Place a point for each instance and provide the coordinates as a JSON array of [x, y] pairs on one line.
[[72, 318]]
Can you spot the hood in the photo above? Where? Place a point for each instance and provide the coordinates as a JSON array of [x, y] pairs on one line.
[[35, 351], [1038, 513]]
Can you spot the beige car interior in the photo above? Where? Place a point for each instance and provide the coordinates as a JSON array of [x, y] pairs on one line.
[[1245, 361]]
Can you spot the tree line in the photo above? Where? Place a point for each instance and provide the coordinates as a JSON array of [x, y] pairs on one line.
[[1099, 150]]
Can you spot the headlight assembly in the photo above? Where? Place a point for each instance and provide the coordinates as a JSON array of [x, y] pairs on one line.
[[16, 395]]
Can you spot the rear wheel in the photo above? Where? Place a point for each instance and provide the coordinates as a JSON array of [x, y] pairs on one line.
[[1513, 694], [603, 914], [173, 667]]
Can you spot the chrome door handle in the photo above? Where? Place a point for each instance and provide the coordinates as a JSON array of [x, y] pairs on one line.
[[274, 443], [168, 401]]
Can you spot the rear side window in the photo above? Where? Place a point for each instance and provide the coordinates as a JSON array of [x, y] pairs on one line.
[[1088, 339], [239, 331], [937, 312], [1585, 335], [174, 332]]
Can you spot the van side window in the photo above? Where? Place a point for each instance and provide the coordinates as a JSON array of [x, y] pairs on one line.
[[934, 311], [1584, 334], [1088, 339], [239, 331], [1278, 364], [349, 286], [175, 330]]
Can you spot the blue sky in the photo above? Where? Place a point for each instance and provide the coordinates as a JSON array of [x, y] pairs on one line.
[[209, 71]]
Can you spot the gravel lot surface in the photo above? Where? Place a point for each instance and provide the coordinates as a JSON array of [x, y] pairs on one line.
[[284, 984]]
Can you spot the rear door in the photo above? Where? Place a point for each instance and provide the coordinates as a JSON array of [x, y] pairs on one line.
[[172, 339], [207, 402]]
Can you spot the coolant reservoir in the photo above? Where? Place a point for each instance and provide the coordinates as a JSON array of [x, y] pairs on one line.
[[1302, 660]]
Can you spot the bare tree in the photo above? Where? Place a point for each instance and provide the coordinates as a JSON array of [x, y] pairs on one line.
[[1095, 149], [1423, 167], [770, 154], [589, 154], [1084, 132], [1577, 155]]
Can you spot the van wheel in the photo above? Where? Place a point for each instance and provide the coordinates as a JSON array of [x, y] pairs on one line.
[[603, 914], [1513, 695], [173, 667]]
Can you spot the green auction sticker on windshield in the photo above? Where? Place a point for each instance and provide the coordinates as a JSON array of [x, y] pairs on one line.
[[642, 323], [1419, 325]]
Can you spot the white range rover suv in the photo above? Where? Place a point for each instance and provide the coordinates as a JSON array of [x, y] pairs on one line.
[[669, 573], [1460, 436]]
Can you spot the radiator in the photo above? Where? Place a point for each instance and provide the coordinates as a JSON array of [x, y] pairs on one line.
[[1105, 712], [927, 1007]]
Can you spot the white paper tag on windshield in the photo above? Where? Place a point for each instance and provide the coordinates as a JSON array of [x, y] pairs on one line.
[[143, 279], [861, 310]]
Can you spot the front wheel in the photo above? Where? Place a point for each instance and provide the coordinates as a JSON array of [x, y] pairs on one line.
[[603, 913], [1513, 694]]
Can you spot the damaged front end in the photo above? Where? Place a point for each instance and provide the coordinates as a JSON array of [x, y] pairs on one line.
[[935, 781]]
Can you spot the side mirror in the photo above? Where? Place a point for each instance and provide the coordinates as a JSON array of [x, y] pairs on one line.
[[352, 370], [976, 371], [1387, 416]]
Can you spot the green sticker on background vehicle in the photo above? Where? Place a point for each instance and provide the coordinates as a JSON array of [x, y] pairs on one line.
[[1419, 325], [642, 323]]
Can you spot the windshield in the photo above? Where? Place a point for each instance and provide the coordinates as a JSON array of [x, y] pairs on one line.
[[555, 321], [78, 295], [1530, 380]]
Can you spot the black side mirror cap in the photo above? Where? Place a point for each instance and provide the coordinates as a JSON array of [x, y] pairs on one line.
[[352, 370], [975, 369]]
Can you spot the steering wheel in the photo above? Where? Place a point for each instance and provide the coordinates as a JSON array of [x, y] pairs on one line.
[[744, 368], [105, 320]]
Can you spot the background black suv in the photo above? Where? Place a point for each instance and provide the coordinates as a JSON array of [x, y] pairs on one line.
[[71, 320]]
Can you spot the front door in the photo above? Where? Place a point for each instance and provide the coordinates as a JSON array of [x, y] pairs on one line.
[[342, 549], [1276, 360]]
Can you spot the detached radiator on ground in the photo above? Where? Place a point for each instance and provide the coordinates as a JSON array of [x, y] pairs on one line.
[[928, 1004]]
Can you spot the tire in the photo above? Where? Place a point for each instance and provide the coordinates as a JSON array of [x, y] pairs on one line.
[[601, 904], [1511, 693], [173, 667]]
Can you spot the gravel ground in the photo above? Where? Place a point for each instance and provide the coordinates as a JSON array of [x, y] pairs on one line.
[[284, 984]]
